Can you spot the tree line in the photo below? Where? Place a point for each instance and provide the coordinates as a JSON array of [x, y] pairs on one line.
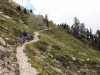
[[77, 29], [80, 31], [24, 10]]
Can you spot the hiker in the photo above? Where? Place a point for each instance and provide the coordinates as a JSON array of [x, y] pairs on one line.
[[24, 37], [21, 40]]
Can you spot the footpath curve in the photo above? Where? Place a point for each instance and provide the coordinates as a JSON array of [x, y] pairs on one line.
[[24, 66]]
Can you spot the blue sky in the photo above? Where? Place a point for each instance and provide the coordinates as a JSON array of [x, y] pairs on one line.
[[29, 6], [87, 11]]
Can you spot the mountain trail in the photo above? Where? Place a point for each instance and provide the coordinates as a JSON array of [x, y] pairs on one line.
[[24, 66]]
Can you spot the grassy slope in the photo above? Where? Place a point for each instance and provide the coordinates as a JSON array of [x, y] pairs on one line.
[[12, 28], [58, 53], [20, 22]]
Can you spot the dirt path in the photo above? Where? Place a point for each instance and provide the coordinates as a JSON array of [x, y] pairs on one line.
[[24, 66]]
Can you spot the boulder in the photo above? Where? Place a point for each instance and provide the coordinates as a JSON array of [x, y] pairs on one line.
[[2, 48], [2, 41]]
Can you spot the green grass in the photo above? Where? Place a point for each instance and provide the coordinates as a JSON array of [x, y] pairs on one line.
[[12, 28], [56, 53], [58, 50]]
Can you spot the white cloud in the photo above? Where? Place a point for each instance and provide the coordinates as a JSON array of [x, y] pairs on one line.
[[21, 2], [64, 10]]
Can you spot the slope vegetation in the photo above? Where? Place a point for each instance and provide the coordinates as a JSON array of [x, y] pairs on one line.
[[12, 24], [58, 53]]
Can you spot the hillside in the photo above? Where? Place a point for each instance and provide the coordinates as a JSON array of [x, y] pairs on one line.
[[55, 53], [59, 53], [12, 24]]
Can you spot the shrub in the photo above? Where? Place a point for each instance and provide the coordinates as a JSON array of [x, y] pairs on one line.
[[42, 46], [56, 47]]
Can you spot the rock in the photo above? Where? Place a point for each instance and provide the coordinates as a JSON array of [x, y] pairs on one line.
[[0, 72], [58, 70], [78, 71], [2, 41], [67, 67], [7, 38], [7, 63], [2, 48], [2, 20], [1, 12], [73, 58], [98, 65], [82, 59], [83, 54], [87, 59], [51, 56]]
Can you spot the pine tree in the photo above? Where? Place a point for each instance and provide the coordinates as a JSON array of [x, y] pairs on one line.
[[98, 35], [25, 11], [68, 28], [75, 27], [18, 8], [65, 26], [31, 11], [91, 35], [82, 30], [46, 20], [62, 25], [88, 34], [98, 38]]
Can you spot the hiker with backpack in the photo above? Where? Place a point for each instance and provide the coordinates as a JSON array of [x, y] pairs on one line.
[[24, 37]]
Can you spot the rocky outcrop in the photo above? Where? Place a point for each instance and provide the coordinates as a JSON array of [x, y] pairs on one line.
[[8, 65]]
